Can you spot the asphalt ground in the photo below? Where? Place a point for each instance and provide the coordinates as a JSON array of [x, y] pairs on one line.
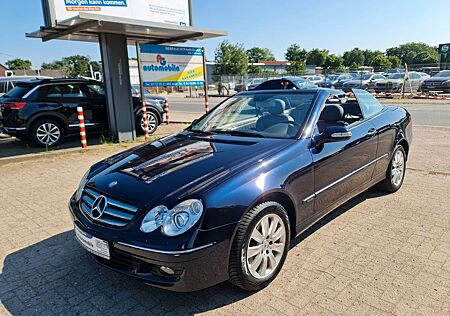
[[378, 254]]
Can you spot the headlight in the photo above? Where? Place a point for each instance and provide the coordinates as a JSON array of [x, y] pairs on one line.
[[173, 222], [446, 83], [80, 189]]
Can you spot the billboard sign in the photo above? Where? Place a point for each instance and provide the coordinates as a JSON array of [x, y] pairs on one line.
[[171, 65], [175, 12]]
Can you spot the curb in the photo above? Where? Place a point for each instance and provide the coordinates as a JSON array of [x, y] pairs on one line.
[[49, 154]]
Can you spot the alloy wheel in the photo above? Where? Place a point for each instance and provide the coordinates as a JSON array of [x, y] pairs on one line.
[[48, 133], [151, 122], [266, 246], [398, 168]]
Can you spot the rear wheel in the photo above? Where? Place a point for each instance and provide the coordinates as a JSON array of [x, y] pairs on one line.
[[152, 123], [396, 171], [260, 246], [46, 133]]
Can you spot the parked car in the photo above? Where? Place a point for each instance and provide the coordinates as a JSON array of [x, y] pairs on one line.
[[286, 83], [316, 79], [223, 199], [396, 83], [46, 110], [248, 84], [365, 82], [9, 82], [337, 81], [136, 92], [439, 82]]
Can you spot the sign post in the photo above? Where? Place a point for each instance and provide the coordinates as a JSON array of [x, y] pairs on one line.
[[205, 85]]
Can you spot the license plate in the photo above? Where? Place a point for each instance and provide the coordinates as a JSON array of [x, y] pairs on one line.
[[92, 244]]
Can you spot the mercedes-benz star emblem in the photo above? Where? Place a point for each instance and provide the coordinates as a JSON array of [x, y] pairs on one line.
[[99, 206]]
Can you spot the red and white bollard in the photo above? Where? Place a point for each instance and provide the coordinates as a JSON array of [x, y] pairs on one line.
[[166, 110], [82, 127], [206, 104], [145, 117]]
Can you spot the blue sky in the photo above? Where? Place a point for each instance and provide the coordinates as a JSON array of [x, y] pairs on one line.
[[336, 25]]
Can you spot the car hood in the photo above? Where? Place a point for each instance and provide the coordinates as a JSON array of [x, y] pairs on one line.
[[437, 79], [351, 82], [390, 80], [179, 166]]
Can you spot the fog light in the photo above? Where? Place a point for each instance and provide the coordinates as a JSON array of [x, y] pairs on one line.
[[166, 270]]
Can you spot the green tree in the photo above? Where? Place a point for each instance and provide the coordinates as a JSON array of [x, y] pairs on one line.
[[316, 57], [334, 63], [74, 66], [296, 68], [395, 61], [354, 58], [258, 54], [231, 59], [295, 53], [414, 53], [380, 61], [18, 63], [370, 55]]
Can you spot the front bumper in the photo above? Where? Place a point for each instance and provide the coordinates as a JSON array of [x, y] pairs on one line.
[[194, 269]]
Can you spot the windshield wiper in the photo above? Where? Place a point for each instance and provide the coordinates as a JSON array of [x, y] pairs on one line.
[[238, 133]]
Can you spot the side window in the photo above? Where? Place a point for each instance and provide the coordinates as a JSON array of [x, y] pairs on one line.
[[369, 105], [65, 91], [2, 87], [96, 91]]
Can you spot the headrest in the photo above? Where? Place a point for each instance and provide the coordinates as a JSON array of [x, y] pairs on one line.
[[277, 107], [332, 113]]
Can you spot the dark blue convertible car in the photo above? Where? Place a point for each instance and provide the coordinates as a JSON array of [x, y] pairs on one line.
[[222, 199]]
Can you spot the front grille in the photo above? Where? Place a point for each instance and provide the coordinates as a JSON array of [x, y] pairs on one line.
[[116, 213]]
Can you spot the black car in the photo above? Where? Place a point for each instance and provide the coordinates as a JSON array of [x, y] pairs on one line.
[[46, 110], [439, 82], [222, 199], [285, 83]]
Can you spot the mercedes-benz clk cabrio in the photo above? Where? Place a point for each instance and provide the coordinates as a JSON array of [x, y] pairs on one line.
[[223, 199]]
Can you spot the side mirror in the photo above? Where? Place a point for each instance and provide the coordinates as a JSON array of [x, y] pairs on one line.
[[332, 134]]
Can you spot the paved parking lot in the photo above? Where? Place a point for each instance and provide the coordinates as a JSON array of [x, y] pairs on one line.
[[376, 255]]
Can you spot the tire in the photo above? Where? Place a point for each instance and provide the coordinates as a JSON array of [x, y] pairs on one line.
[[365, 87], [270, 252], [393, 183], [153, 123], [46, 132]]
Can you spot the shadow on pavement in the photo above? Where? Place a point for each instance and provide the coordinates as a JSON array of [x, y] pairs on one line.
[[57, 276], [13, 147]]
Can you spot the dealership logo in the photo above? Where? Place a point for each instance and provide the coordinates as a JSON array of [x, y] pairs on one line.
[[161, 65], [444, 48]]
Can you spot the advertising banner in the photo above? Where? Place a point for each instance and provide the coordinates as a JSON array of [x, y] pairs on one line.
[[175, 12], [171, 65]]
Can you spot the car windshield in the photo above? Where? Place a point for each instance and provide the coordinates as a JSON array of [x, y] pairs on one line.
[[444, 73], [271, 115], [396, 76]]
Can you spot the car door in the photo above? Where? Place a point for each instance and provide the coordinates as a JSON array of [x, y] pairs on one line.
[[415, 79], [342, 167], [66, 98], [97, 99]]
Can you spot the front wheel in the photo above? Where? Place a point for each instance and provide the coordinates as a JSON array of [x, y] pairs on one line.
[[396, 171], [260, 246]]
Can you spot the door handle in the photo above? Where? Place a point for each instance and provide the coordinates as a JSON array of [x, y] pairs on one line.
[[371, 132]]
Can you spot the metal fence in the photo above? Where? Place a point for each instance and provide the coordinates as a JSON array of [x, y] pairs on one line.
[[403, 79]]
